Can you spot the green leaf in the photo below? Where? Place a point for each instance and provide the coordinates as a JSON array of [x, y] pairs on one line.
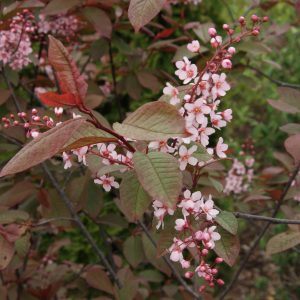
[[153, 121], [134, 200], [152, 275], [7, 251], [228, 221], [141, 12], [201, 153], [43, 147], [283, 241], [133, 250], [159, 175], [13, 216], [22, 245], [228, 247], [216, 184]]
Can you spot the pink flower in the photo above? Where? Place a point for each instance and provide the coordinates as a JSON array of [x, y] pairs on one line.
[[181, 224], [186, 71], [107, 151], [220, 85], [81, 152], [217, 120], [67, 161], [58, 111], [185, 157], [221, 148], [189, 202], [212, 236], [160, 211], [227, 115], [173, 92], [197, 110], [208, 208], [176, 250], [107, 182], [194, 46], [203, 86], [204, 133]]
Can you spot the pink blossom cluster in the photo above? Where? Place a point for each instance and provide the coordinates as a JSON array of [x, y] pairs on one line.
[[61, 25], [240, 176], [15, 43], [198, 101]]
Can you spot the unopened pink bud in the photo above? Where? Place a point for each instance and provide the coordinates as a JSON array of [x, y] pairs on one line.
[[227, 64], [265, 19], [219, 260], [34, 111], [220, 282], [212, 32], [242, 20], [211, 284], [254, 18], [204, 252], [231, 50], [26, 125], [16, 122], [202, 288], [207, 278], [255, 32], [189, 274], [214, 271], [202, 269], [226, 26]]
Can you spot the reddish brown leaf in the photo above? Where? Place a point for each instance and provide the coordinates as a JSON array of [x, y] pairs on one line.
[[70, 80], [6, 253], [98, 279], [292, 146], [43, 147], [54, 99], [164, 33]]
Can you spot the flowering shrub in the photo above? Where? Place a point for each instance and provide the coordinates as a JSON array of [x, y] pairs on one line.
[[156, 161]]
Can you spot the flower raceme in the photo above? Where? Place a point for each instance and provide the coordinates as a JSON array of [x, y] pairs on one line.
[[198, 102]]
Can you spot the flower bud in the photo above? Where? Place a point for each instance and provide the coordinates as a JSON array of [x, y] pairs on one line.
[[220, 282], [204, 252], [242, 20], [226, 64], [226, 27], [212, 32], [231, 50], [189, 274], [254, 18], [219, 260]]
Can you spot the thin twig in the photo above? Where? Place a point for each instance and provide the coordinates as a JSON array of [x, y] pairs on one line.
[[170, 265], [276, 81], [266, 219], [114, 79], [81, 226], [262, 233]]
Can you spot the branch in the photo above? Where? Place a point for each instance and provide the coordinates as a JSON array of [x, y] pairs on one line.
[[262, 233], [81, 226], [276, 81], [263, 218], [114, 78], [170, 265]]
